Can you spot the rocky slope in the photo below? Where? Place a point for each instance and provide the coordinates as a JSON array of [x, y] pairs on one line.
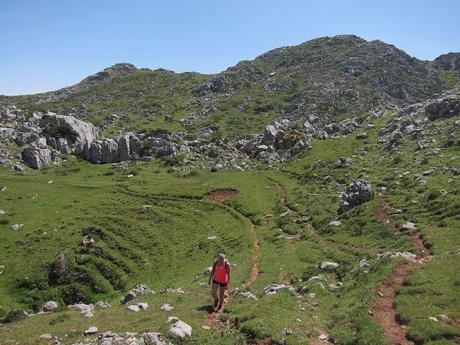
[[323, 87]]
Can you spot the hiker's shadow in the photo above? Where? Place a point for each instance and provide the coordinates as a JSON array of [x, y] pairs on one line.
[[207, 308]]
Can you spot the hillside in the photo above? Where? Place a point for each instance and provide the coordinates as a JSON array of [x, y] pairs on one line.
[[332, 77], [327, 171]]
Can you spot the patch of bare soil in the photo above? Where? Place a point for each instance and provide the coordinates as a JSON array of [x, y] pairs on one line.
[[382, 307], [220, 195]]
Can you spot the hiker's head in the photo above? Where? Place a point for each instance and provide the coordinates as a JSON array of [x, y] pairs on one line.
[[221, 257]]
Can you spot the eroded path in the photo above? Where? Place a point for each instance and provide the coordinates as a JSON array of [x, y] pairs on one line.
[[382, 307], [213, 319]]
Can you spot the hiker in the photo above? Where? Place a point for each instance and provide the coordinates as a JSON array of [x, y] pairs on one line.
[[220, 276]]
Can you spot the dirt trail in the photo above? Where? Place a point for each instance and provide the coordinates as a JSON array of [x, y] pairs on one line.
[[213, 320], [382, 307], [255, 270]]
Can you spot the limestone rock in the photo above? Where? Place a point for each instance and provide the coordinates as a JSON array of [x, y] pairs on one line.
[[166, 307], [359, 192], [50, 306], [90, 331], [36, 156], [329, 265], [180, 329]]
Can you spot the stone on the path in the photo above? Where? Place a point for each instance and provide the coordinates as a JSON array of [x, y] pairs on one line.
[[50, 306], [16, 227], [180, 329], [166, 307], [91, 330], [329, 265], [391, 255], [323, 337], [409, 226]]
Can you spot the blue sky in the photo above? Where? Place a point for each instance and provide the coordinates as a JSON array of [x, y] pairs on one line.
[[48, 44]]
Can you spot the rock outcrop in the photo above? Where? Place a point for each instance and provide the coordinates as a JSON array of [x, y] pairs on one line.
[[37, 155], [357, 193]]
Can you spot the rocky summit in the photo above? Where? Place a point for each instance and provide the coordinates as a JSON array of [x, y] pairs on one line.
[[328, 173]]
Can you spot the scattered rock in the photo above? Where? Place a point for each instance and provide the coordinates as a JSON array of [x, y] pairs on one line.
[[323, 337], [391, 255], [90, 331], [443, 108], [103, 305], [359, 192], [336, 286], [138, 307], [139, 289], [364, 263], [46, 336], [343, 162], [287, 331], [443, 318], [329, 265], [335, 223], [180, 329], [362, 135], [166, 307], [87, 310], [409, 226], [153, 338], [247, 294], [50, 306], [273, 288], [16, 227]]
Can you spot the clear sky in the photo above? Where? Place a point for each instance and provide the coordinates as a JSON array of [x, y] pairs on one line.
[[49, 44]]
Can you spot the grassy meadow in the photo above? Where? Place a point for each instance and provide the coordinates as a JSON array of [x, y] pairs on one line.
[[151, 225]]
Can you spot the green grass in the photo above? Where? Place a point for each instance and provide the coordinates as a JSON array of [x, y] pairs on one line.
[[166, 244]]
